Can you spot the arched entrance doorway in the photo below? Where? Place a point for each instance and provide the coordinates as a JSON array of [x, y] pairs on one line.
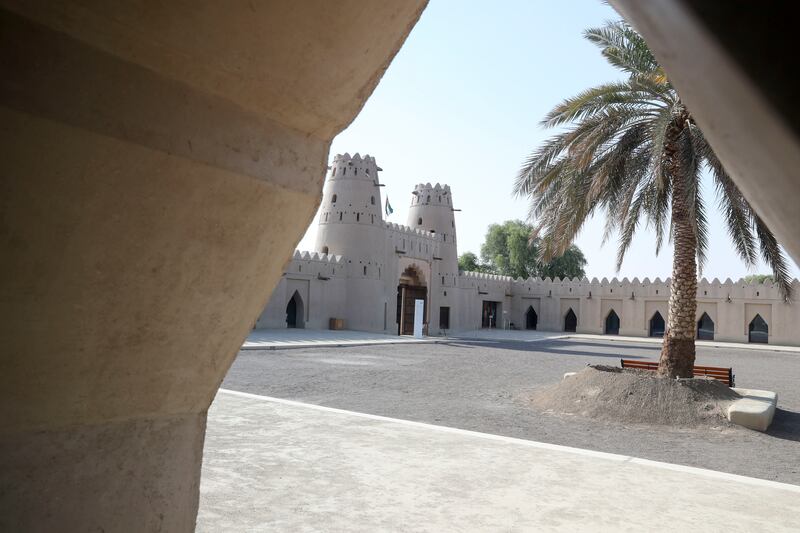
[[531, 319], [295, 312], [570, 321], [657, 325], [758, 330], [705, 328], [612, 323], [412, 287]]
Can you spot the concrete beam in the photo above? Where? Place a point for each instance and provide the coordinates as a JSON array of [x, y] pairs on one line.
[[160, 162]]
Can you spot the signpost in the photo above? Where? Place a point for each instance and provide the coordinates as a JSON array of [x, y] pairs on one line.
[[419, 311]]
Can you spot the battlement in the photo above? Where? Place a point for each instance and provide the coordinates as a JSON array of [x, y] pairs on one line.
[[427, 194], [485, 276], [347, 166], [318, 257], [635, 288], [427, 187], [625, 288], [399, 228]]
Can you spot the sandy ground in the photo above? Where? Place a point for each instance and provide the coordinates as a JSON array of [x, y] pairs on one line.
[[486, 385]]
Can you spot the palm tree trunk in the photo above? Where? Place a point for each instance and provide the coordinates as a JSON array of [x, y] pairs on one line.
[[678, 352]]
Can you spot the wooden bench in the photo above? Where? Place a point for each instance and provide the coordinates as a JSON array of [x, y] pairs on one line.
[[724, 375]]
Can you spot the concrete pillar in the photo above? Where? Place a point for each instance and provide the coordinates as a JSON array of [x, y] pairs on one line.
[[160, 162]]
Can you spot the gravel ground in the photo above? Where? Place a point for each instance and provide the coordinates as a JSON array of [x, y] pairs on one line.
[[486, 385]]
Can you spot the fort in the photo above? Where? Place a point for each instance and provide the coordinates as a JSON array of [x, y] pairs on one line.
[[369, 272]]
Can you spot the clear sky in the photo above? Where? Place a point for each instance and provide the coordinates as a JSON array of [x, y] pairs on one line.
[[461, 104]]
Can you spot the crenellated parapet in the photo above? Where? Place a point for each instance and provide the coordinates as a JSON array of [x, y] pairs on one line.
[[316, 264], [629, 288], [347, 166], [434, 195], [414, 232]]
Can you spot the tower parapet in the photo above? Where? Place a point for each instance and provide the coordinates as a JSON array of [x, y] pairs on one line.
[[432, 210]]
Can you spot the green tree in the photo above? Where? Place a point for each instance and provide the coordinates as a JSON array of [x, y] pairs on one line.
[[632, 149], [468, 262], [510, 251], [568, 265], [759, 278]]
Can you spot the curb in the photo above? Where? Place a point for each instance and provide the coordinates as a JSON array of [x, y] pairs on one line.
[[720, 345], [338, 345]]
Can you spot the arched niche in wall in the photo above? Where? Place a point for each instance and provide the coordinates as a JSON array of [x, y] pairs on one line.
[[612, 323], [570, 321], [758, 330], [657, 325], [531, 318], [295, 312], [705, 328]]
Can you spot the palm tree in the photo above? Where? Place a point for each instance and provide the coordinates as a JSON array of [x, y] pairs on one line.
[[633, 150]]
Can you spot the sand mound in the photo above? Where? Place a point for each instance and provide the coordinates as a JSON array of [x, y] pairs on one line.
[[637, 397]]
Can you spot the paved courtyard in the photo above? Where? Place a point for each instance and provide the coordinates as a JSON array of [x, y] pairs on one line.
[[276, 465], [484, 385]]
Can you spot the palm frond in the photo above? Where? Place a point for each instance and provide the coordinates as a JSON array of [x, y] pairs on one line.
[[773, 255], [623, 48]]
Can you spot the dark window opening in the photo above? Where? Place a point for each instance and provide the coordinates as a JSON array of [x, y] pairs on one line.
[[325, 250], [333, 200], [444, 318]]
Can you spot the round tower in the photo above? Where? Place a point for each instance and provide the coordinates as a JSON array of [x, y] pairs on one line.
[[351, 218], [432, 210]]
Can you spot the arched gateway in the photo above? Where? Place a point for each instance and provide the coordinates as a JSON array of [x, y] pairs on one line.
[[412, 287]]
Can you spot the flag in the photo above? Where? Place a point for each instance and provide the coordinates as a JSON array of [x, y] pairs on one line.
[[388, 209]]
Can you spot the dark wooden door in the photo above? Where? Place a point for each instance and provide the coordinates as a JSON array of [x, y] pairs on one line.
[[412, 293]]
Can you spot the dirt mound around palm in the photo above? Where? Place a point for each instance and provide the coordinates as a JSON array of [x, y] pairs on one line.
[[637, 397]]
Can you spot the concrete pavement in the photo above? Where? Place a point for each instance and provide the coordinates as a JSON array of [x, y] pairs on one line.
[[516, 335], [281, 339], [709, 344], [279, 465], [275, 339]]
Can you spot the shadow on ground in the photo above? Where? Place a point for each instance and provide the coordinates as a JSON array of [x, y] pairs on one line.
[[785, 425]]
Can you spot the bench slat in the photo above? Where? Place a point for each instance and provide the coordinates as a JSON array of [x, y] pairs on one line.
[[719, 373]]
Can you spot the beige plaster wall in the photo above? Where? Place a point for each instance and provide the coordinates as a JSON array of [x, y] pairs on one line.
[[160, 161]]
